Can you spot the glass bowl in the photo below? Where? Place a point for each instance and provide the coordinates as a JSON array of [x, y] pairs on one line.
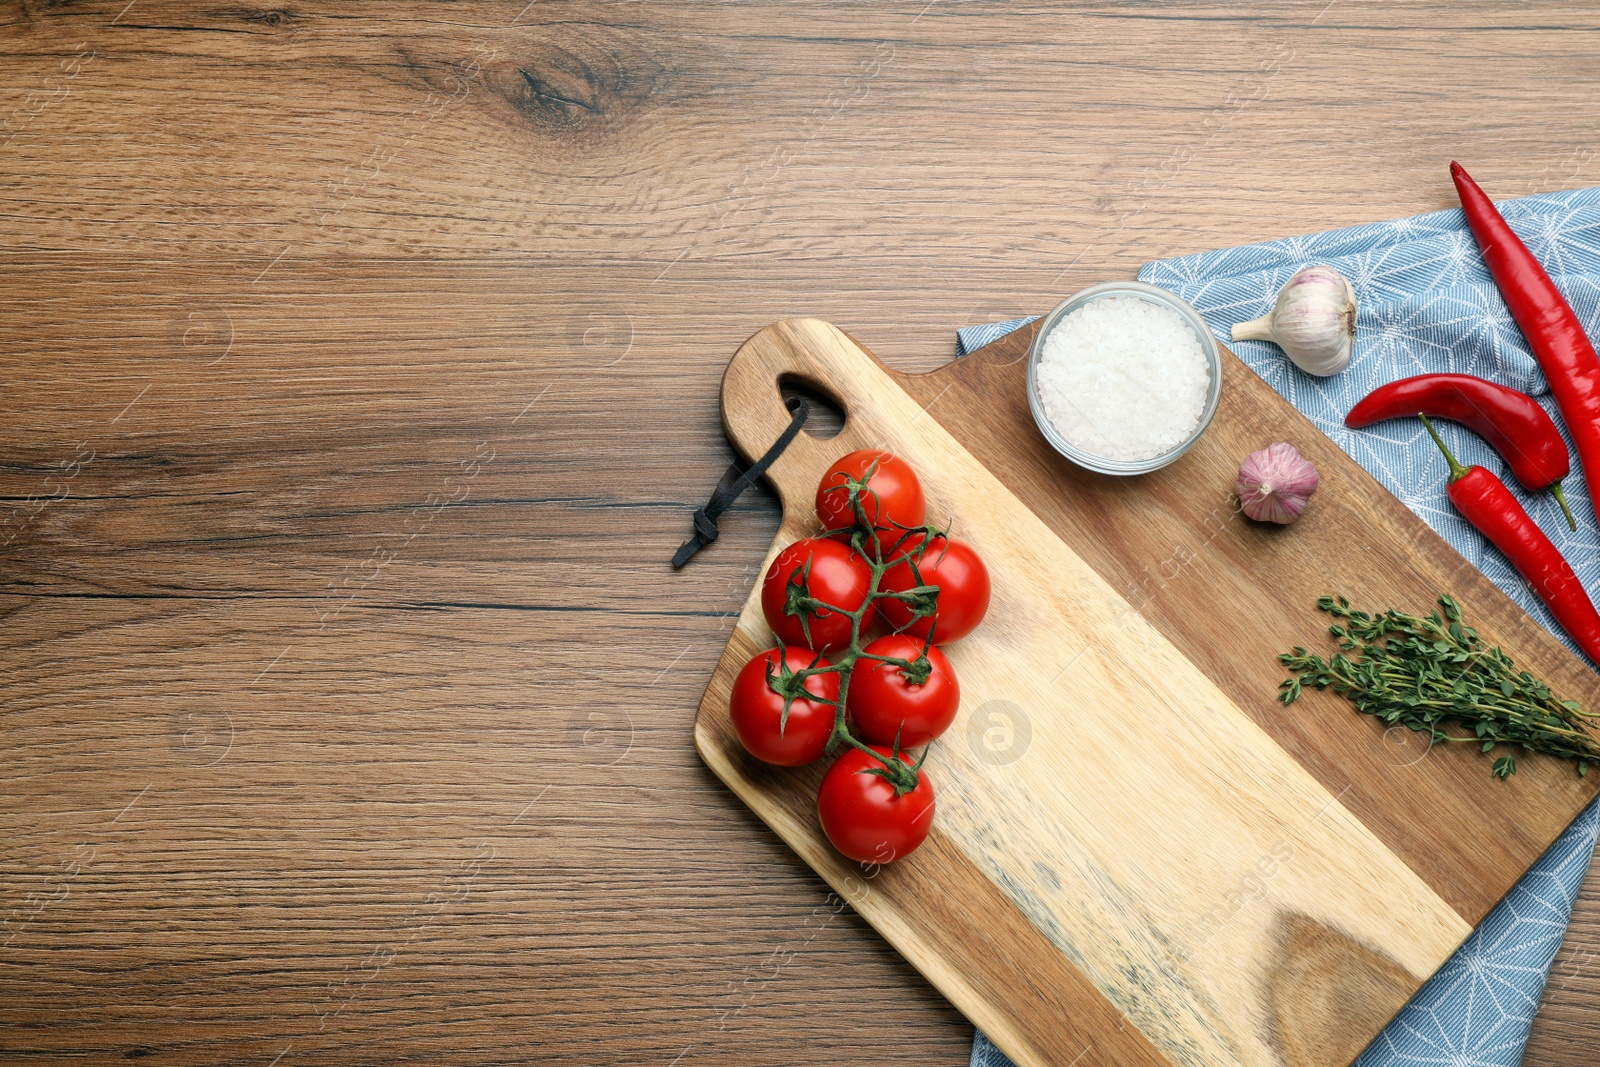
[[1140, 290]]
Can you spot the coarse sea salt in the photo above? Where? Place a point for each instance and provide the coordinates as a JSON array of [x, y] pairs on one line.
[[1123, 378]]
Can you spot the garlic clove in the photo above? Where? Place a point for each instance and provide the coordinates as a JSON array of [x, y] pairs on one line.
[[1313, 321], [1275, 484]]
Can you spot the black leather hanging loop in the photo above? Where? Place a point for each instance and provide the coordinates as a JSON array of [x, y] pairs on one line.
[[736, 481]]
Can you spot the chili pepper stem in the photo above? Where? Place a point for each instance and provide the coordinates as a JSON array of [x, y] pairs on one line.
[[1561, 498], [1457, 471]]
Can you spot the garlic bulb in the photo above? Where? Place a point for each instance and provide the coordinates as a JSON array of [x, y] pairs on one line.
[[1314, 321], [1275, 483]]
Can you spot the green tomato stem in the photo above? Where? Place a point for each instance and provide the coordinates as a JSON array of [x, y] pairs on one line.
[[862, 533]]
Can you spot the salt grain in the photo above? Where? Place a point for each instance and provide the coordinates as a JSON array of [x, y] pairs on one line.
[[1123, 378]]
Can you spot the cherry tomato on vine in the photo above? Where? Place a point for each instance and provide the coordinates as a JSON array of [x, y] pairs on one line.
[[865, 816], [826, 571], [884, 701], [893, 495], [963, 583], [757, 708]]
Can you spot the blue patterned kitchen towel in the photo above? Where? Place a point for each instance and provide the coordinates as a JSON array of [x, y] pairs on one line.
[[1427, 304]]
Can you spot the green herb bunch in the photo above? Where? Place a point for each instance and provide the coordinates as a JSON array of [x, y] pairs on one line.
[[1425, 672]]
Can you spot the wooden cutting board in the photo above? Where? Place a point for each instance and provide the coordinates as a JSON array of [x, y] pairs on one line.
[[1139, 856]]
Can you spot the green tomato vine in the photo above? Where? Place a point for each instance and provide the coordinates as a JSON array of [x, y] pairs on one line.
[[909, 546]]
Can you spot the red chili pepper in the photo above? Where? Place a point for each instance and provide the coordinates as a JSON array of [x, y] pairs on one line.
[[1485, 501], [1513, 422], [1553, 332]]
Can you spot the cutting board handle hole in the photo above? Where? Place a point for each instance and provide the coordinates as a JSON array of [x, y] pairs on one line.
[[827, 414]]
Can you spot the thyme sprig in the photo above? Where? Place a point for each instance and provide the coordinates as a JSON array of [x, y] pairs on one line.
[[1426, 672]]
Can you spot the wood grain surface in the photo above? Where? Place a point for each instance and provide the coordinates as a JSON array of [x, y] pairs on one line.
[[361, 372], [1147, 771]]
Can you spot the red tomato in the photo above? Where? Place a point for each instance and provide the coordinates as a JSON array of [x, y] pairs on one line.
[[837, 577], [757, 709], [883, 702], [893, 495], [863, 816], [963, 583]]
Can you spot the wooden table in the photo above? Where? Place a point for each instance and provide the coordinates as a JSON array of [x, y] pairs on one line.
[[361, 365]]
